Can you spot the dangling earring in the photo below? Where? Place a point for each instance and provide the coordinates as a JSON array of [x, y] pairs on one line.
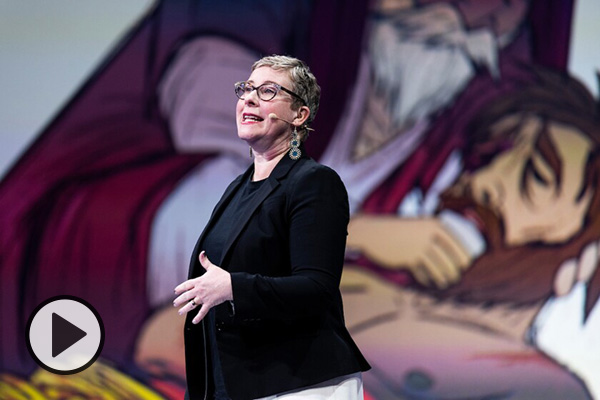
[[295, 152]]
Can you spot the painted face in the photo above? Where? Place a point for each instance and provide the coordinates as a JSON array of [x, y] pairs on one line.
[[254, 125], [535, 186]]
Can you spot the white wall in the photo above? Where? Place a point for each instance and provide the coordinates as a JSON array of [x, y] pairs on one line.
[[47, 48], [584, 51]]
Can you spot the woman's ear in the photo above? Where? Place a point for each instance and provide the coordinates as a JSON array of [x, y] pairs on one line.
[[301, 116]]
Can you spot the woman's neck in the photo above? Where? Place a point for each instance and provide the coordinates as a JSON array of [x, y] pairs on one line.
[[264, 163]]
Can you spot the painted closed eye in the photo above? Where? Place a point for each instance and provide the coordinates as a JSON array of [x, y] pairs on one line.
[[541, 170], [533, 175], [537, 174]]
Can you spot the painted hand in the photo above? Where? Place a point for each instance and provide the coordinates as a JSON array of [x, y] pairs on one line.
[[423, 246]]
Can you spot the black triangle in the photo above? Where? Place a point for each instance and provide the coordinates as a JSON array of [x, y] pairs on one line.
[[64, 334]]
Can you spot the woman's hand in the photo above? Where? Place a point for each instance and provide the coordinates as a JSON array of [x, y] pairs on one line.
[[206, 291]]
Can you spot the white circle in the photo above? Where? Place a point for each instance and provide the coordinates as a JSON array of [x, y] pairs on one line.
[[79, 353]]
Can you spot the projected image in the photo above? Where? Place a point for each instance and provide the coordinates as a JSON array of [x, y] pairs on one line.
[[468, 147]]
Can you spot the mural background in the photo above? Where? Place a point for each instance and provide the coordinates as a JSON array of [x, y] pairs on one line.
[[92, 143]]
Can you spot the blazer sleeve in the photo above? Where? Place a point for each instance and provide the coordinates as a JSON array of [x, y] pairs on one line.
[[318, 219]]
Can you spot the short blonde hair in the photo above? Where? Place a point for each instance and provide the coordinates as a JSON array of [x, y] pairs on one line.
[[304, 83]]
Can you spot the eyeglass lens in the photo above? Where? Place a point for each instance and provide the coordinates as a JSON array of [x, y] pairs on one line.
[[265, 92]]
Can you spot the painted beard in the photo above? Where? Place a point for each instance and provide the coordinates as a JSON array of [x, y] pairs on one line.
[[518, 275], [415, 91]]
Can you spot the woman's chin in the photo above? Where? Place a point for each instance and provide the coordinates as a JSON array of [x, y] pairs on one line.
[[248, 136]]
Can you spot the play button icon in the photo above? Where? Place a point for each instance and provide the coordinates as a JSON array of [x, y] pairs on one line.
[[65, 335]]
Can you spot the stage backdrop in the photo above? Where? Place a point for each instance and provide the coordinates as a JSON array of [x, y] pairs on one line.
[[467, 134]]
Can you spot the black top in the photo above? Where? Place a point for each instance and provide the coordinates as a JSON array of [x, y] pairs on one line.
[[217, 236], [285, 253], [213, 244]]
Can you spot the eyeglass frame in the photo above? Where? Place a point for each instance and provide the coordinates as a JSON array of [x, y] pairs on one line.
[[278, 86]]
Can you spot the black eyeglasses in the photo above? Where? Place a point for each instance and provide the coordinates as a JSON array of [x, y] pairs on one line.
[[265, 92]]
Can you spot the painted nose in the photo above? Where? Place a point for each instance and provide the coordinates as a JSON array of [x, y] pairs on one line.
[[487, 190]]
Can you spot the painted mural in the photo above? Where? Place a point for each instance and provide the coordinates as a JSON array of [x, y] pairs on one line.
[[470, 154]]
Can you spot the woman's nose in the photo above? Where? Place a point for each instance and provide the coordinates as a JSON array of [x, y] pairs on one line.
[[251, 98]]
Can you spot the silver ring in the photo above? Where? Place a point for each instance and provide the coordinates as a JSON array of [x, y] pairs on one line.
[[193, 303]]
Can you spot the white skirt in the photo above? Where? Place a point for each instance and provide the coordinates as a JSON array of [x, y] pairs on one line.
[[347, 387]]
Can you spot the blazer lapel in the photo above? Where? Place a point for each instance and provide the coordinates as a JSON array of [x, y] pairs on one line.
[[218, 210], [279, 172], [273, 181]]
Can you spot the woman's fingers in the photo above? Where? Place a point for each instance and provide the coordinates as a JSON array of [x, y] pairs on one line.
[[201, 314], [189, 306], [184, 287], [204, 261], [206, 291], [184, 298]]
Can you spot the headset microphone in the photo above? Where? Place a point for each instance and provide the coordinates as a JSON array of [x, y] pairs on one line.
[[274, 116]]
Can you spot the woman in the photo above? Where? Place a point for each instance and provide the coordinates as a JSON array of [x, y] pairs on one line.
[[267, 318]]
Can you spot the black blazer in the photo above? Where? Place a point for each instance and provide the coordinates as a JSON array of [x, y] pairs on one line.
[[285, 328]]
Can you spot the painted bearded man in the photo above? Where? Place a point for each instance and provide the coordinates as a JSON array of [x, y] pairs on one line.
[[530, 194]]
